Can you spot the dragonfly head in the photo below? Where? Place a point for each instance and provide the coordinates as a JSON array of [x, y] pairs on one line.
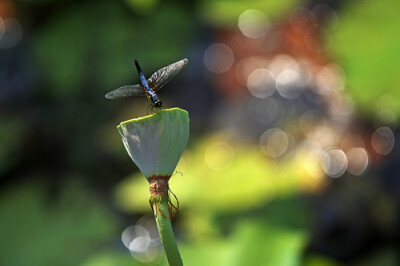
[[158, 103]]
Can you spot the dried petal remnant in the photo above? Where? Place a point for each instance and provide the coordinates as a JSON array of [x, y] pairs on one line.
[[158, 186]]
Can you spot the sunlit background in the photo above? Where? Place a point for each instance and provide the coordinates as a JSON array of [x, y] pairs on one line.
[[293, 157]]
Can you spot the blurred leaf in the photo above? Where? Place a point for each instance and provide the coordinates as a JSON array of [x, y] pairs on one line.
[[384, 257], [142, 6], [226, 12], [60, 47], [213, 252], [316, 260], [367, 44], [291, 211], [92, 45], [261, 244], [253, 243], [37, 1], [250, 181], [112, 259], [12, 133], [63, 232]]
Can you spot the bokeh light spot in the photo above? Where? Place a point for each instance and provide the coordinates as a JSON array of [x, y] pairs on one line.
[[282, 62], [261, 83], [357, 160], [274, 142], [12, 33], [253, 23], [386, 117], [386, 101], [290, 84], [303, 21], [248, 65], [143, 240], [2, 28], [334, 162], [383, 140], [328, 80], [131, 232], [325, 136], [139, 244], [218, 58], [219, 156], [326, 13]]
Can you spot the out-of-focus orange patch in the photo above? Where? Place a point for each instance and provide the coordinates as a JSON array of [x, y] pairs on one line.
[[7, 9]]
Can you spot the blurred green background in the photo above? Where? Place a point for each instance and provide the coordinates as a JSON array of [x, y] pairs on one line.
[[293, 157]]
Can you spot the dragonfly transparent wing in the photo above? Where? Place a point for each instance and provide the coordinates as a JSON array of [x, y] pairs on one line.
[[126, 91], [162, 76]]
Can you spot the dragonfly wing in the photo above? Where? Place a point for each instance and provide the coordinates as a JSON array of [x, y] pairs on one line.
[[162, 76], [126, 91]]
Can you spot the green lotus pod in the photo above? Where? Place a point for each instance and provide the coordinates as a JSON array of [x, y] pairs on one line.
[[156, 142]]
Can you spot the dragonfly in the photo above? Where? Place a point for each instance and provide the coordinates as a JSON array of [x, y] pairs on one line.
[[151, 86]]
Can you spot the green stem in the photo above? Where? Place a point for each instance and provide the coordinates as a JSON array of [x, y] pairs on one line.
[[165, 230]]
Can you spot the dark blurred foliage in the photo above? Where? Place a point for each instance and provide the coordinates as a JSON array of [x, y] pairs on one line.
[[253, 191]]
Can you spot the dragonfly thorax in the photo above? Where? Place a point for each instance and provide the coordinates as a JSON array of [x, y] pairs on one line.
[[158, 104]]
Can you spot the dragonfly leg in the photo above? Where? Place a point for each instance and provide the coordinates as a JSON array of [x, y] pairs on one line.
[[150, 109]]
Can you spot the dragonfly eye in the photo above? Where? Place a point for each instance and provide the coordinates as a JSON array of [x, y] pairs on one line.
[[158, 104]]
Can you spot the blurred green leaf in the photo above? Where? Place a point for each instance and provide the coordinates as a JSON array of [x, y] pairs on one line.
[[316, 260], [12, 134], [249, 181], [142, 6], [366, 43], [213, 252], [384, 257], [37, 1], [60, 47], [226, 12], [252, 243], [64, 231], [92, 45], [258, 243], [107, 258]]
